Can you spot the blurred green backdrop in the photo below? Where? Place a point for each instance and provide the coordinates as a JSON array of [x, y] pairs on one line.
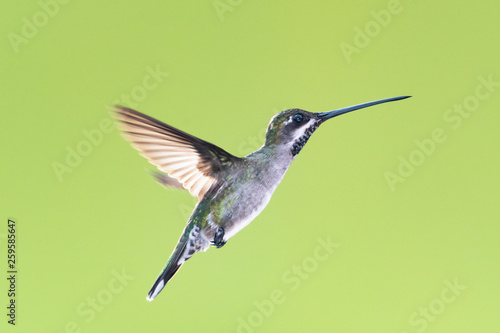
[[407, 191]]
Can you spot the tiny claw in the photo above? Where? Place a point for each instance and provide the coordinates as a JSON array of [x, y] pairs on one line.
[[219, 238]]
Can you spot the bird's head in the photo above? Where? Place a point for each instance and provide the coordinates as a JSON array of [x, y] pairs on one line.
[[292, 128]]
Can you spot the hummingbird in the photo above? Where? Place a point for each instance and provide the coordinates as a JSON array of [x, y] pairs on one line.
[[231, 191]]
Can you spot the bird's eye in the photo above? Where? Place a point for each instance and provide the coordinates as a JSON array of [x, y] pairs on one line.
[[298, 118]]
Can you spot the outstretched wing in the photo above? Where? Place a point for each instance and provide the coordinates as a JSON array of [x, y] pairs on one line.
[[195, 163], [166, 180]]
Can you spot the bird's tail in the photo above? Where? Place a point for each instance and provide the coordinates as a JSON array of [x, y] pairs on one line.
[[189, 243]]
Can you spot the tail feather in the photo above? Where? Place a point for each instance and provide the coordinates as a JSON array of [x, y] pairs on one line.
[[168, 271], [190, 242]]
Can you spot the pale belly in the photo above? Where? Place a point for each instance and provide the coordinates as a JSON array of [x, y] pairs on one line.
[[238, 203], [237, 212], [241, 221]]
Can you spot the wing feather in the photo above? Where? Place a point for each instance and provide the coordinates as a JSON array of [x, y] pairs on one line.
[[195, 163]]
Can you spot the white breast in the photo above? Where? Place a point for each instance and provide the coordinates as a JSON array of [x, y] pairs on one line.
[[236, 227]]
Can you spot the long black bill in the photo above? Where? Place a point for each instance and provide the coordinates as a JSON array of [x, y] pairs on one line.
[[330, 114]]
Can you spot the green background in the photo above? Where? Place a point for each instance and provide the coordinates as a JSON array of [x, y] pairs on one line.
[[228, 73]]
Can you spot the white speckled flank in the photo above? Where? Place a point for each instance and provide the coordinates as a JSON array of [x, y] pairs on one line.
[[195, 243]]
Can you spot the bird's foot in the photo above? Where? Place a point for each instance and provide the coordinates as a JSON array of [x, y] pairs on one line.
[[219, 238]]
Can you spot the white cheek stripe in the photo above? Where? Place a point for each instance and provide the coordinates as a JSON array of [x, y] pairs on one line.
[[302, 130], [287, 121]]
